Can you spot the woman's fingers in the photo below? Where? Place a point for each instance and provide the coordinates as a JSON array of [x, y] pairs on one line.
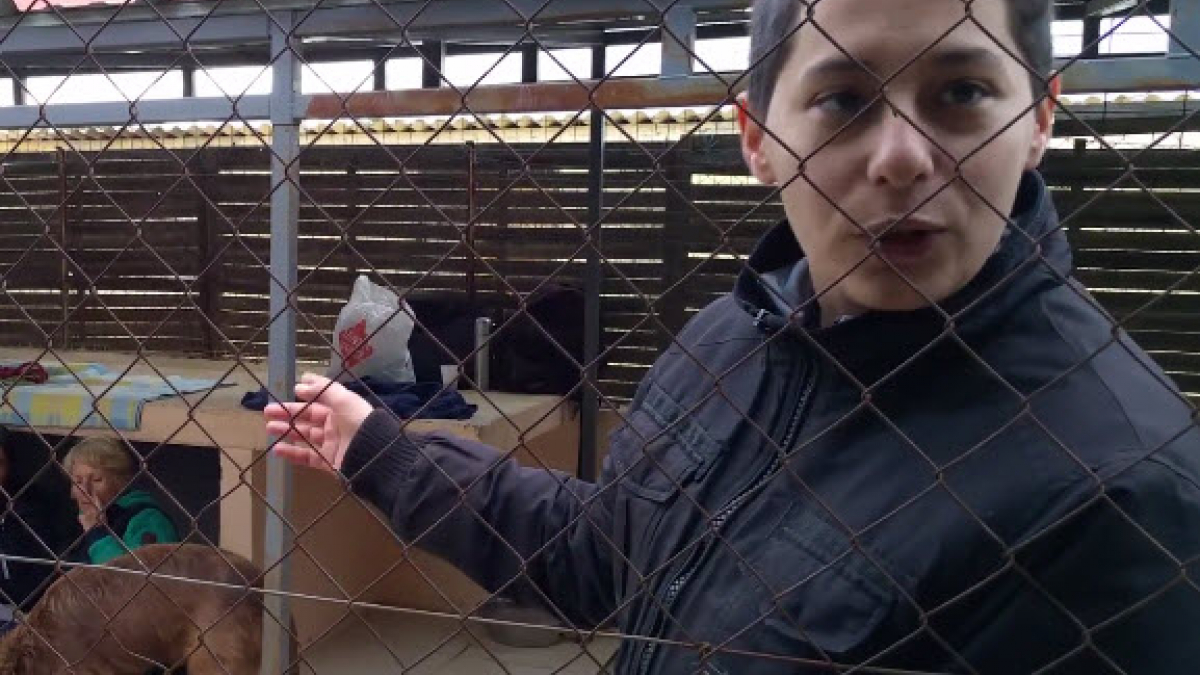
[[296, 409], [298, 431], [301, 455], [288, 431], [293, 453], [312, 387], [308, 430]]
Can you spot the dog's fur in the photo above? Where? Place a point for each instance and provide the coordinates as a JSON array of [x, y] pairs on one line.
[[94, 621]]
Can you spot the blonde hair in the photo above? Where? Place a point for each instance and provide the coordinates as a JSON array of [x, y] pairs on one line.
[[105, 453]]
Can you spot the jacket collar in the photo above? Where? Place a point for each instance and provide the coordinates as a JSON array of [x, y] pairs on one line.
[[775, 288]]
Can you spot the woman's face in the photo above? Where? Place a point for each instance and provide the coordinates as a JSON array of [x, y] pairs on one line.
[[91, 484], [899, 148]]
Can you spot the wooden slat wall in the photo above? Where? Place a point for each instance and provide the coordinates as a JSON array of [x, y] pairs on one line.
[[176, 244]]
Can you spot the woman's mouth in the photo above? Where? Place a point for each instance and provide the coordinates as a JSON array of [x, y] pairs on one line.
[[905, 248]]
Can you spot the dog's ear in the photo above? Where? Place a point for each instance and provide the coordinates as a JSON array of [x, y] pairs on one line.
[[19, 651], [11, 655]]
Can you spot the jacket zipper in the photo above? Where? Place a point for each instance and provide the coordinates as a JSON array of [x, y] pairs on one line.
[[717, 522], [4, 558]]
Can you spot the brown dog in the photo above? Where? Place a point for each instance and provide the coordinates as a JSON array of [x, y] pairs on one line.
[[95, 621]]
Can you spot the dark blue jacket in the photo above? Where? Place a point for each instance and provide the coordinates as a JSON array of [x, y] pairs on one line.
[[1001, 484]]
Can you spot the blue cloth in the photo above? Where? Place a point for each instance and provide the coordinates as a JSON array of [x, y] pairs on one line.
[[91, 395], [409, 400]]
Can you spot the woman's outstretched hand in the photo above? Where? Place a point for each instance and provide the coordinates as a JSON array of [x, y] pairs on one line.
[[317, 429]]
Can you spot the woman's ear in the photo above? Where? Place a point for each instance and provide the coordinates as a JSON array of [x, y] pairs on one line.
[[754, 142], [1044, 122]]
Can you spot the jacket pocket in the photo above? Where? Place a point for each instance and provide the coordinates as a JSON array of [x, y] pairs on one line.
[[657, 467], [655, 457], [808, 593], [663, 447]]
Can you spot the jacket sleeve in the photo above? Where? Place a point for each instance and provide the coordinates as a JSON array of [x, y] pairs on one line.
[[1133, 571], [519, 530], [1113, 582]]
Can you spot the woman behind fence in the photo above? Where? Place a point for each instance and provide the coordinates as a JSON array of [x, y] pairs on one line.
[[115, 519], [907, 439]]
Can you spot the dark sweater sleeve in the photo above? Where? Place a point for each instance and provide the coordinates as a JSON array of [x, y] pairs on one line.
[[530, 533]]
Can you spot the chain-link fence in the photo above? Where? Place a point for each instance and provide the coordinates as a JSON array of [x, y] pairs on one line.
[[672, 337]]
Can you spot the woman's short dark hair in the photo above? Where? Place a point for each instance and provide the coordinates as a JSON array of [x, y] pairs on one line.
[[773, 21]]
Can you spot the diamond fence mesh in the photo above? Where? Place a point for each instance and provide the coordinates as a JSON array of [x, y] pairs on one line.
[[872, 406]]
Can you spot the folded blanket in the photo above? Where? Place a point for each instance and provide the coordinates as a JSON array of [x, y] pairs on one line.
[[89, 395]]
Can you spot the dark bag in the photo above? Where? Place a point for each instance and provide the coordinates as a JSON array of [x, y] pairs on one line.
[[523, 357], [444, 334], [540, 350]]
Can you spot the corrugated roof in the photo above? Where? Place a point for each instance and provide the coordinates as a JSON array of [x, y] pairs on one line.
[[645, 126], [45, 5]]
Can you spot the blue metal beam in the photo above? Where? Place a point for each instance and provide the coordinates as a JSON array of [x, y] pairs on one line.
[[120, 113], [678, 42], [1185, 28], [71, 43], [140, 28], [281, 354], [1144, 73], [1087, 76]]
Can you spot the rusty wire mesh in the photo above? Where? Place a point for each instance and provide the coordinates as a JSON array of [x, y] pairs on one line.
[[136, 245]]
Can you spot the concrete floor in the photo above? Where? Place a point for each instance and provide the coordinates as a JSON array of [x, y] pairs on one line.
[[432, 646]]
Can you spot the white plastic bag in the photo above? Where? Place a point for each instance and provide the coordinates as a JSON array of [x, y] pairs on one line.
[[371, 337]]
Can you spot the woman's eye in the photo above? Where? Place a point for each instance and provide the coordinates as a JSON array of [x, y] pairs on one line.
[[965, 93], [844, 103]]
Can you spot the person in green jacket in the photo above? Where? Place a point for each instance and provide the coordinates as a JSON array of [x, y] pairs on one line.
[[115, 519]]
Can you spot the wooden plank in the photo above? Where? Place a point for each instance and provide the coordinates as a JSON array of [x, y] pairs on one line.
[[1152, 280], [618, 390], [1188, 382], [140, 323], [416, 259], [486, 232], [113, 310], [162, 178], [543, 194], [41, 312], [1146, 239], [31, 198], [159, 233], [137, 262], [1167, 340], [625, 373], [26, 223], [180, 345], [742, 194], [1116, 259], [1157, 319], [126, 209], [141, 284], [1163, 210], [1175, 361], [1121, 304], [20, 334]]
